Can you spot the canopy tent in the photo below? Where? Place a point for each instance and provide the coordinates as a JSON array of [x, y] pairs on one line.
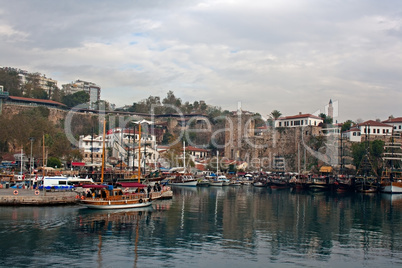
[[326, 169]]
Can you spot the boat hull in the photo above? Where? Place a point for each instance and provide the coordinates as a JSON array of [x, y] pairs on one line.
[[185, 183], [114, 204], [392, 188]]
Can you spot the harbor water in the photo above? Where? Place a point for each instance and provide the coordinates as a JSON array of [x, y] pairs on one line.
[[231, 226]]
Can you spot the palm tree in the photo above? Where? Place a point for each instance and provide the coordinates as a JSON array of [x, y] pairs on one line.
[[275, 114]]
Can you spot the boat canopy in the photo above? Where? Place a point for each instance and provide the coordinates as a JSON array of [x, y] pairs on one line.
[[131, 184], [95, 186]]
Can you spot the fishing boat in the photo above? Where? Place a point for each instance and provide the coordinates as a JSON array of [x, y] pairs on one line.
[[391, 179], [101, 196]]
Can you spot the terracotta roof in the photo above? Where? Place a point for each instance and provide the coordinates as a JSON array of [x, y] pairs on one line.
[[195, 149], [353, 129], [393, 120], [374, 124], [299, 116], [36, 100]]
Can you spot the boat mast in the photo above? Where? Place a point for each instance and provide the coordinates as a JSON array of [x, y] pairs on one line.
[[184, 157], [103, 152], [217, 163], [139, 152]]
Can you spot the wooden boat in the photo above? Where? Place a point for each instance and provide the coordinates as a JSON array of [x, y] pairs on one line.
[[103, 196], [391, 179]]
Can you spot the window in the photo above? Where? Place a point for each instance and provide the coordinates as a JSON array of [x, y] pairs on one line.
[[280, 124], [400, 126]]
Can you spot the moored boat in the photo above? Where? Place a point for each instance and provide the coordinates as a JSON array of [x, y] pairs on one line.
[[391, 179], [183, 180], [103, 196]]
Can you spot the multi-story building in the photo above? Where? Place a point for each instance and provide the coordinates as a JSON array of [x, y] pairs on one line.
[[92, 89], [123, 143], [91, 148], [47, 84]]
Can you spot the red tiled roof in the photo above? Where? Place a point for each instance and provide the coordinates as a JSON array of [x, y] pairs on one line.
[[374, 124], [195, 149], [393, 120], [299, 116], [353, 129], [36, 100]]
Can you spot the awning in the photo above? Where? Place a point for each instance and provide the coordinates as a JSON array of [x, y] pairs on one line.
[[78, 164], [131, 184], [326, 169], [94, 186]]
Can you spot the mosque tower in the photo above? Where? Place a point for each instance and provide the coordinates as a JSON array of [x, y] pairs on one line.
[[330, 109]]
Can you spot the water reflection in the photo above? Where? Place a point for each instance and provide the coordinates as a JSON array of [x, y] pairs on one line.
[[212, 226]]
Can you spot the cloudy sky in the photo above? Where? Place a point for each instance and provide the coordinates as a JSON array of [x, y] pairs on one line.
[[293, 56]]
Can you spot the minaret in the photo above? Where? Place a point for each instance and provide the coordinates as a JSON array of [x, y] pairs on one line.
[[330, 109]]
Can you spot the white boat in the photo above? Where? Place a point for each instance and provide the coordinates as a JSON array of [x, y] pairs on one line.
[[215, 183], [225, 181], [235, 183], [183, 180]]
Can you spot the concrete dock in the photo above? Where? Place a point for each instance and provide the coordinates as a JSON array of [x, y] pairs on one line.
[[16, 197]]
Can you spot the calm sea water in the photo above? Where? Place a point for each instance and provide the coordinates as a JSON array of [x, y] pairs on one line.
[[211, 227]]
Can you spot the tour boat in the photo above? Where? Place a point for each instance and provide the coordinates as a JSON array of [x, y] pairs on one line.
[[101, 196]]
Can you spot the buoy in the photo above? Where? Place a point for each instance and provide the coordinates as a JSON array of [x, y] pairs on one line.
[[36, 192], [140, 201], [15, 192]]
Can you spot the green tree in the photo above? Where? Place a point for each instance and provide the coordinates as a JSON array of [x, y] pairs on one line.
[[275, 114], [53, 162], [75, 99], [347, 125], [9, 79]]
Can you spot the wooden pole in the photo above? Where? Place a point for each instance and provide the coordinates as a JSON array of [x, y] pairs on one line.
[[139, 152], [103, 151]]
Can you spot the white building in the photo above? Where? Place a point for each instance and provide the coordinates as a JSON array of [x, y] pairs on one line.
[[47, 84], [300, 120], [396, 123], [92, 89], [374, 128], [352, 135], [91, 148], [123, 143]]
